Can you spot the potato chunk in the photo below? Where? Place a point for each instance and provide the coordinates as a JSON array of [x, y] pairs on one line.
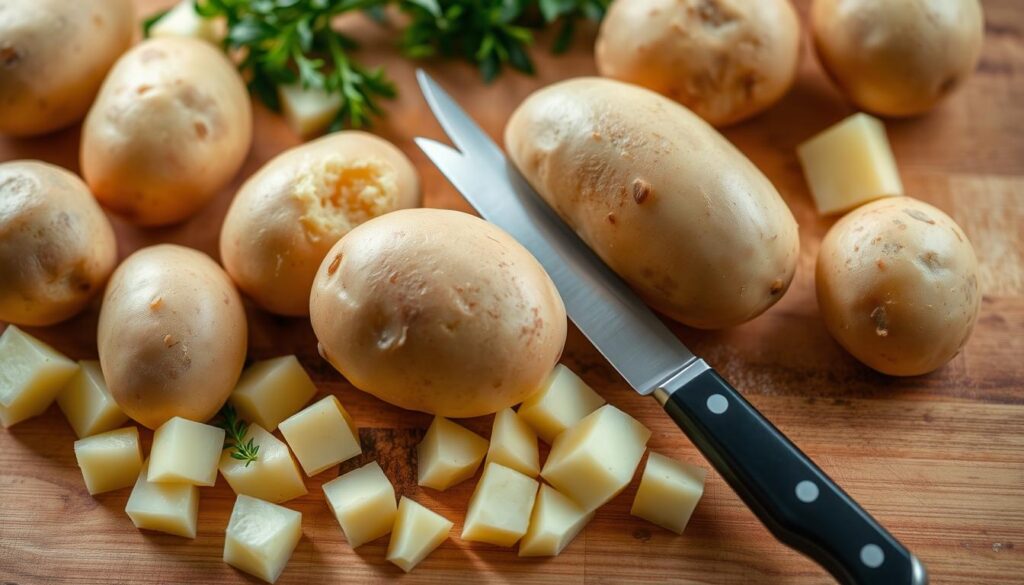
[[87, 403], [850, 164], [272, 390], [417, 532], [669, 491], [448, 454], [308, 111], [185, 451], [562, 401], [513, 443], [555, 521], [273, 477], [261, 537], [322, 435], [363, 501], [109, 460], [595, 459], [165, 507], [499, 511], [31, 375]]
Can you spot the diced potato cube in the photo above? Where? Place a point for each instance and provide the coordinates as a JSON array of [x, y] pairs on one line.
[[273, 477], [87, 403], [321, 435], [261, 537], [309, 110], [562, 402], [417, 532], [448, 454], [499, 511], [363, 501], [183, 21], [272, 390], [185, 451], [669, 491], [555, 521], [31, 375], [595, 459], [850, 164], [513, 443], [165, 507], [109, 460]]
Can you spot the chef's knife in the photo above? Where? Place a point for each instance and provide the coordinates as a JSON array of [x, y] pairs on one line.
[[798, 503]]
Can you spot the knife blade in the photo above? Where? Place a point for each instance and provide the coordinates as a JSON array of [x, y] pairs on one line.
[[794, 498]]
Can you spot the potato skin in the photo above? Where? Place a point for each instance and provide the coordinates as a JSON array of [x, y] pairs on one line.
[[275, 237], [667, 202], [171, 127], [897, 284], [726, 60], [437, 311], [172, 335], [54, 55], [57, 248], [897, 58]]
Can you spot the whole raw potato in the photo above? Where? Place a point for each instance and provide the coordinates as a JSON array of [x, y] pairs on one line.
[[898, 286], [667, 202], [897, 57], [726, 60], [56, 246], [54, 55], [438, 311], [172, 335], [288, 215], [170, 128]]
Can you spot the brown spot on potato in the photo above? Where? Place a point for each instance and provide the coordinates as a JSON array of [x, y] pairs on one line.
[[143, 89], [169, 340], [333, 266], [880, 263], [201, 130], [9, 56], [919, 215], [611, 218], [881, 319], [156, 303], [930, 261], [777, 286], [712, 14], [641, 190]]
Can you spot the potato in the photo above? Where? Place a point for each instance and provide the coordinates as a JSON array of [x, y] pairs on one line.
[[172, 335], [897, 58], [56, 246], [438, 311], [897, 285], [170, 128], [288, 215], [727, 60], [660, 196], [54, 55]]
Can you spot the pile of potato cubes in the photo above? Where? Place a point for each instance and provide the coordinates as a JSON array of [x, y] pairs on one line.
[[595, 451]]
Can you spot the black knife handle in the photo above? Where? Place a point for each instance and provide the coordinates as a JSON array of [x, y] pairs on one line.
[[798, 503]]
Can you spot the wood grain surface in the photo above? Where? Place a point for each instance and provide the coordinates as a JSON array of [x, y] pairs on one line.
[[938, 459]]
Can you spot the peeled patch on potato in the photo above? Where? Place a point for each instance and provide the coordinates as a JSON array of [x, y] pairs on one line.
[[172, 335], [171, 126], [54, 55], [897, 58], [665, 200], [897, 284], [288, 215], [437, 311], [727, 60], [56, 246]]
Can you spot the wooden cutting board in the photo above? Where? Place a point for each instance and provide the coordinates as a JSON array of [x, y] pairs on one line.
[[938, 459]]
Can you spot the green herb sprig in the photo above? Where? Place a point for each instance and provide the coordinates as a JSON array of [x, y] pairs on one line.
[[235, 429], [284, 42]]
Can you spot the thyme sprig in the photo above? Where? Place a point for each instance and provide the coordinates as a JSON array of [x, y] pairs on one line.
[[235, 429]]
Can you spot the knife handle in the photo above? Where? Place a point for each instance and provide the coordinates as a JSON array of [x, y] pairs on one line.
[[798, 503]]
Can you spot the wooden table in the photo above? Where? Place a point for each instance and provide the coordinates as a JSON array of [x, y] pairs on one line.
[[938, 459]]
